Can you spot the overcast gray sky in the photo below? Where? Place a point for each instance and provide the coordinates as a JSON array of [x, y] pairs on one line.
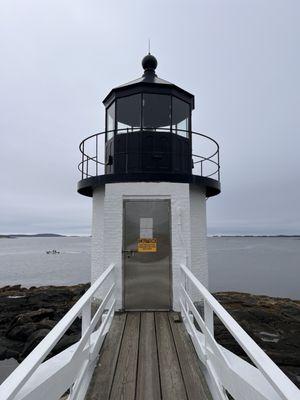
[[240, 59]]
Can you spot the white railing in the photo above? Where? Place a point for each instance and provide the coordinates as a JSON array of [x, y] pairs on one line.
[[226, 372], [70, 371]]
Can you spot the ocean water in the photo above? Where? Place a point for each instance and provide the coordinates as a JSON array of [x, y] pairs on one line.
[[25, 261], [268, 266], [258, 265]]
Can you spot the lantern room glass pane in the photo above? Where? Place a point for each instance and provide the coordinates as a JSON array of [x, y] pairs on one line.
[[156, 111], [180, 117], [110, 121], [129, 113]]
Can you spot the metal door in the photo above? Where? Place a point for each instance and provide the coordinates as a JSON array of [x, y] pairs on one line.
[[146, 268]]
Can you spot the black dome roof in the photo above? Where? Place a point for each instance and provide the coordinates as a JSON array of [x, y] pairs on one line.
[[148, 82]]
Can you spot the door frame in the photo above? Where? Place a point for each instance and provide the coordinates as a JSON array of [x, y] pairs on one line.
[[125, 200]]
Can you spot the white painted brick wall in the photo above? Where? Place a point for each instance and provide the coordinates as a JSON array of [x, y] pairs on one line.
[[97, 248], [108, 228], [199, 263]]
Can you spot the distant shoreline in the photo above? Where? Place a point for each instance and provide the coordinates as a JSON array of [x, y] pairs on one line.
[[255, 236], [54, 235], [36, 235]]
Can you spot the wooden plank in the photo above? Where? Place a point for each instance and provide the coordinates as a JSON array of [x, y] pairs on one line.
[[148, 382], [101, 382], [124, 382], [172, 385], [194, 380]]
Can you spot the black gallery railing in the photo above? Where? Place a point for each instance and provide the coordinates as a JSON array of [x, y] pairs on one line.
[[205, 154]]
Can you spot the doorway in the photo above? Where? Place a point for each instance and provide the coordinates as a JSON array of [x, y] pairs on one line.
[[147, 255]]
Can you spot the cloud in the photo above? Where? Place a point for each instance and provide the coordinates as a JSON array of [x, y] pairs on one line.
[[59, 59]]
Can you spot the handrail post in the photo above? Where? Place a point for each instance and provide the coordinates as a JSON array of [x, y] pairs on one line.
[[181, 296], [209, 321], [187, 290], [97, 155], [86, 317], [218, 165], [115, 280], [82, 165]]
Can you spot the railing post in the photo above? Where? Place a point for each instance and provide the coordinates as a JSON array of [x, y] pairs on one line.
[[115, 280], [181, 295], [184, 301], [86, 317], [82, 159], [209, 321], [97, 155], [187, 290]]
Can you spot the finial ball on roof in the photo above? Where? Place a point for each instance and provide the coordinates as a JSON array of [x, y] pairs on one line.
[[149, 62]]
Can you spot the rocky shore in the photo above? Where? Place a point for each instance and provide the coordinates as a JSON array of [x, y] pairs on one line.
[[27, 315], [274, 324]]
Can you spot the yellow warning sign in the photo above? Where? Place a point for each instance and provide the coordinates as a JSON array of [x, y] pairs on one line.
[[147, 245]]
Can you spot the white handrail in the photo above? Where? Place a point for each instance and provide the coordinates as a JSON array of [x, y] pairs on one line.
[[26, 370], [212, 353]]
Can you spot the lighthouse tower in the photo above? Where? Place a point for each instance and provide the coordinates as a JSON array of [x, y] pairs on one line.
[[149, 191]]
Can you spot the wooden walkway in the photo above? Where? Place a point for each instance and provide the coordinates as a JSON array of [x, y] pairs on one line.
[[148, 356]]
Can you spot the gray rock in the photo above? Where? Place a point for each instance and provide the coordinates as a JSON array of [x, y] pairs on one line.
[[33, 340], [27, 314], [274, 323]]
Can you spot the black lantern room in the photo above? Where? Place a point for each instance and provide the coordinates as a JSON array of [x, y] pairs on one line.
[[140, 117], [148, 136]]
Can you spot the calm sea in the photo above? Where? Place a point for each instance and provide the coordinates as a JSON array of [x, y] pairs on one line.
[[25, 261], [268, 265], [257, 265]]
